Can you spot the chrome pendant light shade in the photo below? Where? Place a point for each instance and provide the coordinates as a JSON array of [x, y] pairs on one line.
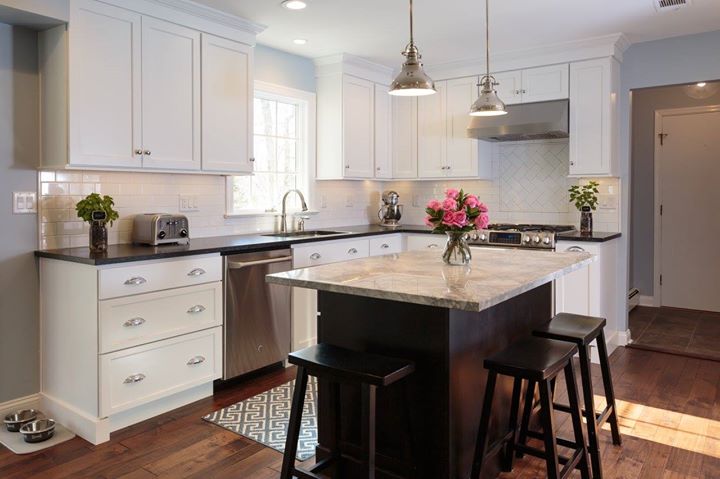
[[412, 79], [488, 102]]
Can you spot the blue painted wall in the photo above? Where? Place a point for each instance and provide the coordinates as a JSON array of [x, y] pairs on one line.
[[282, 68]]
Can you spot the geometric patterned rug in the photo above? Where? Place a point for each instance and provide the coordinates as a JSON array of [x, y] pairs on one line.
[[264, 418]]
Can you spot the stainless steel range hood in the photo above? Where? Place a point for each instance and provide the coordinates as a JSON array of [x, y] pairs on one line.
[[528, 121]]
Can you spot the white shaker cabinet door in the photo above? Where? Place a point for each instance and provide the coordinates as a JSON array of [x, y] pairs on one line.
[[227, 99], [171, 95], [545, 83], [383, 132], [431, 134], [509, 87], [404, 137], [358, 127], [462, 152], [104, 86]]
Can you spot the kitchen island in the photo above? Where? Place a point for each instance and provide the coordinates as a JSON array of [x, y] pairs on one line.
[[445, 318]]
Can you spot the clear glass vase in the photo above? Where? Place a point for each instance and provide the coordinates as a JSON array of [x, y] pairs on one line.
[[457, 252], [98, 237], [586, 221]]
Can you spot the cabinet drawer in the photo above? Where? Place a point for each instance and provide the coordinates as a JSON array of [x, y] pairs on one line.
[[139, 375], [134, 320], [144, 277], [425, 241], [386, 244], [329, 252]]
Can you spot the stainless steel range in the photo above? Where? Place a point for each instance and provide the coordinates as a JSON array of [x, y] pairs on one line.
[[518, 235]]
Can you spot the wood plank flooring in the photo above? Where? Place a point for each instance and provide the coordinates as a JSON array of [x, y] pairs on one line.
[[669, 408]]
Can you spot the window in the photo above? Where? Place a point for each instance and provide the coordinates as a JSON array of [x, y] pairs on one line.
[[281, 149]]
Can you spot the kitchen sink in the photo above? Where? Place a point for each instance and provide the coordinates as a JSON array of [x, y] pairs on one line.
[[308, 234]]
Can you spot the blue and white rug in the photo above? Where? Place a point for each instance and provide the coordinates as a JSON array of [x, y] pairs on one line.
[[264, 418]]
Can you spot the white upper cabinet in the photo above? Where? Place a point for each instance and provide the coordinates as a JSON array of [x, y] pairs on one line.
[[404, 137], [461, 151], [533, 84], [227, 99], [383, 132], [358, 101], [509, 86], [432, 133], [593, 117], [104, 87], [171, 96]]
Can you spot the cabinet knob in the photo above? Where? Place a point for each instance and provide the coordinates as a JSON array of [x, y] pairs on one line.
[[378, 168], [524, 91], [347, 167], [138, 151], [198, 308], [252, 160], [135, 378], [572, 163], [147, 152]]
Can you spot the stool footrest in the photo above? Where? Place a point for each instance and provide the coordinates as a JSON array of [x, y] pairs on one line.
[[497, 445], [604, 416], [560, 440], [303, 474], [571, 463]]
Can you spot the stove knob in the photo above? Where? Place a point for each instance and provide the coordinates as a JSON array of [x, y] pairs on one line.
[[536, 239], [474, 237], [162, 234], [483, 237], [183, 233], [546, 240], [526, 239]]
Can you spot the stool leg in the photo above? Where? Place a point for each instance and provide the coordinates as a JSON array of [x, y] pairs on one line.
[[369, 396], [548, 425], [512, 426], [576, 418], [591, 418], [335, 451], [609, 391], [293, 432], [410, 447], [528, 407], [482, 436]]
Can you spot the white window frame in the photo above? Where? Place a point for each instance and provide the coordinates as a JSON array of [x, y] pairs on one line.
[[305, 101]]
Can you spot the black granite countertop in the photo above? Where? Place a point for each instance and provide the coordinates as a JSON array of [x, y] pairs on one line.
[[594, 237], [123, 253]]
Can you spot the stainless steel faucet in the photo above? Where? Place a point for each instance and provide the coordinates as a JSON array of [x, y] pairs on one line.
[[283, 216]]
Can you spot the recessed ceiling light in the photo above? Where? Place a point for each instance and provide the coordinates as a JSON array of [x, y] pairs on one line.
[[294, 4], [701, 84], [299, 41]]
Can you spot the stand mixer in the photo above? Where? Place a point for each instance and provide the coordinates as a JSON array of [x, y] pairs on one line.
[[391, 211]]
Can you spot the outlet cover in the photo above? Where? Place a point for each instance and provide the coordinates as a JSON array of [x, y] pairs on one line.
[[24, 202], [188, 203]]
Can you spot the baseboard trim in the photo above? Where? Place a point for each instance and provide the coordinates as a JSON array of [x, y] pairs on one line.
[[27, 402], [623, 338], [92, 429], [647, 301]]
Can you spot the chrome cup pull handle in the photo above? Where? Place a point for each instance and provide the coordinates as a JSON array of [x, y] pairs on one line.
[[352, 251], [134, 322], [432, 246], [196, 360], [198, 308], [384, 246], [135, 281], [576, 249], [197, 272], [315, 256], [135, 378]]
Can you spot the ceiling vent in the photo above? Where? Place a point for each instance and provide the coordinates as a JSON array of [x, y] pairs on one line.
[[663, 6]]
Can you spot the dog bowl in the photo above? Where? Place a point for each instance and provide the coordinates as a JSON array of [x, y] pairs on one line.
[[14, 421], [38, 431]]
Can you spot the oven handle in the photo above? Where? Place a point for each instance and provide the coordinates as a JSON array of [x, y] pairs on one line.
[[239, 264]]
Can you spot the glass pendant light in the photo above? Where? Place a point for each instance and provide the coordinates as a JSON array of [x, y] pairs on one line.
[[488, 103], [412, 79]]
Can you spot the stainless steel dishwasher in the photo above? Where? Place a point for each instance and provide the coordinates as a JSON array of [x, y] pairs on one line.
[[257, 314]]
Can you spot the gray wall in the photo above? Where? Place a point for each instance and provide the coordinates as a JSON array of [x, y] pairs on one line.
[[644, 104], [671, 61], [19, 365], [282, 68]]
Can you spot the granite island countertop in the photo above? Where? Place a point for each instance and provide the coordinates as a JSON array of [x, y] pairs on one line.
[[421, 277]]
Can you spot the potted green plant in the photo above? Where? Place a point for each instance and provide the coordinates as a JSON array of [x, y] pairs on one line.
[[585, 199], [98, 211]]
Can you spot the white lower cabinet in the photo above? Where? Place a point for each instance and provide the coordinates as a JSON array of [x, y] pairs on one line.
[[122, 343], [424, 241]]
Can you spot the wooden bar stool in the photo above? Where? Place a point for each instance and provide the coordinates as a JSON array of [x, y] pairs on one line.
[[583, 330], [538, 361], [339, 365]]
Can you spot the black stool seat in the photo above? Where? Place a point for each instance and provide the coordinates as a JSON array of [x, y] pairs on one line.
[[532, 358], [352, 366], [576, 328]]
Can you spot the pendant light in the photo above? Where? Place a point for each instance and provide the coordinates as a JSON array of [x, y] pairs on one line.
[[412, 79], [488, 103]]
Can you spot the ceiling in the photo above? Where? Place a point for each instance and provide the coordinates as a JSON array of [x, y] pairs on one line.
[[450, 30]]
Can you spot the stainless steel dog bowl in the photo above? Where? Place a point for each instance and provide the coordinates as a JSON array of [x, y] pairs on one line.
[[13, 422], [38, 431]]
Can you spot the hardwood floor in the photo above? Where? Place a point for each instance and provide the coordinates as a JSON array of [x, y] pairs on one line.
[[669, 410]]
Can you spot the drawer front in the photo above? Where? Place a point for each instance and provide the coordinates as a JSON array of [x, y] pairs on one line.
[[134, 320], [425, 241], [386, 244], [145, 277], [329, 252], [139, 375]]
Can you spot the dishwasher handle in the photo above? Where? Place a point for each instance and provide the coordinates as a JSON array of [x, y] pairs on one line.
[[240, 264]]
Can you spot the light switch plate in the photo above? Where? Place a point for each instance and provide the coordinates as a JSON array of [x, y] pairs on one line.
[[24, 202], [188, 203]]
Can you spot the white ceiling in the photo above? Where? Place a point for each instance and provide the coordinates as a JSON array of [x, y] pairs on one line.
[[449, 30]]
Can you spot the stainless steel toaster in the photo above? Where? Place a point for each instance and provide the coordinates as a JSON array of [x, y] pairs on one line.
[[160, 228]]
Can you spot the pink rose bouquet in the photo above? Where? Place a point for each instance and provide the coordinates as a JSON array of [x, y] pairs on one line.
[[458, 211]]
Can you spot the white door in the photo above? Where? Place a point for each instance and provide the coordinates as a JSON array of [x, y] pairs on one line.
[[227, 99], [358, 127], [383, 126], [404, 137], [509, 86], [462, 152], [545, 83], [689, 168], [431, 132], [171, 95], [104, 86]]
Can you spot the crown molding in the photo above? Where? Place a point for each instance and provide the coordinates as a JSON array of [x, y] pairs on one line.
[[212, 14], [353, 65], [613, 45]]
